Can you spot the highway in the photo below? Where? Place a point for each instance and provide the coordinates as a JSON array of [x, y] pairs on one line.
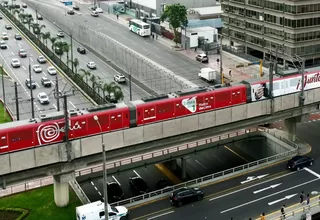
[[232, 199], [21, 74], [147, 47], [201, 164], [104, 71]]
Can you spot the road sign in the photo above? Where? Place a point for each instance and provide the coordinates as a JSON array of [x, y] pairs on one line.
[[67, 3]]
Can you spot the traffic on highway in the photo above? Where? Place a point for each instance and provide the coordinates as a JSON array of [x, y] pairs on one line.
[[105, 72], [16, 57]]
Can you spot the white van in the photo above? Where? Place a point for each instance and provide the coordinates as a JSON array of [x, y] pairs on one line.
[[95, 211]]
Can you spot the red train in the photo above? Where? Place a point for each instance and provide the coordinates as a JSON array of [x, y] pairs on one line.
[[48, 129]]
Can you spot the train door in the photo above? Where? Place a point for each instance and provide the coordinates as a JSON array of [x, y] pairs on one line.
[[4, 146], [149, 114], [116, 120], [236, 96]]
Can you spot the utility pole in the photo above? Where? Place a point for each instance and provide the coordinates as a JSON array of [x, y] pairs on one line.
[[3, 90], [31, 90], [17, 100], [71, 39], [66, 120], [302, 71], [271, 86], [57, 93], [221, 69]]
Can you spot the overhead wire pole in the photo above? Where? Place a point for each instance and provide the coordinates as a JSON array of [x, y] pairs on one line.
[[3, 90], [302, 71], [57, 93], [17, 100]]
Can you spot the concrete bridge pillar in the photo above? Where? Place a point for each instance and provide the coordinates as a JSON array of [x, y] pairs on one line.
[[184, 168], [290, 126], [61, 188], [174, 164]]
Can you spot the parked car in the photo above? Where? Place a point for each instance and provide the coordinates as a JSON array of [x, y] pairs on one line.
[[37, 69], [8, 27], [43, 98], [51, 70], [17, 37], [22, 53], [3, 45], [15, 63], [115, 192], [299, 162], [5, 36], [41, 59], [94, 14], [119, 78], [31, 84], [91, 65], [60, 34], [81, 50], [185, 195], [46, 82], [138, 185], [203, 58], [24, 5]]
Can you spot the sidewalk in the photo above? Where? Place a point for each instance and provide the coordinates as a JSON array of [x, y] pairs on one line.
[[229, 60]]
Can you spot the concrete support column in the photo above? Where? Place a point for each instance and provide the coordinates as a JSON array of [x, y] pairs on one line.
[[290, 126], [61, 188], [4, 184], [174, 164], [183, 168]]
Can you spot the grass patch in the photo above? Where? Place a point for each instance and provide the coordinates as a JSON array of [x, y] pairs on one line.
[[40, 203], [4, 116]]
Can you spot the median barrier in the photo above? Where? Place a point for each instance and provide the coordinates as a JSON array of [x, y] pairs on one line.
[[79, 192]]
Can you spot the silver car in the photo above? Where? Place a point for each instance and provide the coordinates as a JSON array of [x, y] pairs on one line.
[[51, 70], [43, 98], [37, 68], [15, 63]]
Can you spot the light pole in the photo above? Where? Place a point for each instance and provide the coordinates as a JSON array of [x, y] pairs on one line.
[[105, 194]]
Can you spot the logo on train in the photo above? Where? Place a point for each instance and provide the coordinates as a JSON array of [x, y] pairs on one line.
[[190, 104], [312, 79], [50, 132]]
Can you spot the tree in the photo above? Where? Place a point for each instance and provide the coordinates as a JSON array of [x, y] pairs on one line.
[[114, 92], [86, 74], [53, 40], [18, 11], [177, 16], [36, 28], [93, 79], [29, 21], [45, 37], [75, 64], [66, 49], [22, 18], [58, 48]]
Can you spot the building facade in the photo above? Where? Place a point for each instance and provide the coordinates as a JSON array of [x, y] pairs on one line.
[[261, 26]]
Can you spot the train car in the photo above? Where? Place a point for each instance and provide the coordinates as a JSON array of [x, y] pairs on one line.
[[183, 103]]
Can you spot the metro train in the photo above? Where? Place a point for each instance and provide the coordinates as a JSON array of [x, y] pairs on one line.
[[49, 129]]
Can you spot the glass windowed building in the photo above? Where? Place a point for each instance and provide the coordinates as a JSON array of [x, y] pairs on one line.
[[263, 25]]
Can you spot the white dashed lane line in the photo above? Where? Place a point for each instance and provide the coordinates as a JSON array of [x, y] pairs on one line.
[[96, 188], [24, 68], [72, 104]]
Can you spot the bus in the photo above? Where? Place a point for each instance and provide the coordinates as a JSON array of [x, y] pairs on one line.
[[139, 27]]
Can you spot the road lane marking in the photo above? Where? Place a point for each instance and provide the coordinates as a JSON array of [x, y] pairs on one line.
[[157, 216], [237, 154], [218, 158], [284, 198], [136, 173], [44, 73], [19, 45], [72, 104], [12, 53], [270, 187], [312, 172], [268, 196], [31, 59], [57, 109], [24, 68], [37, 84], [257, 184], [200, 164], [173, 178], [252, 178], [116, 180]]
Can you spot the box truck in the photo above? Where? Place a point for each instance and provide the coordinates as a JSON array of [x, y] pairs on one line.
[[208, 74]]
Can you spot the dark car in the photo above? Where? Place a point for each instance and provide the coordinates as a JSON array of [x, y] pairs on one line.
[[162, 183], [185, 195], [46, 82], [70, 12], [115, 192], [299, 162], [76, 7], [0, 17], [32, 84], [138, 185], [16, 6], [8, 27], [17, 37], [39, 17], [81, 50]]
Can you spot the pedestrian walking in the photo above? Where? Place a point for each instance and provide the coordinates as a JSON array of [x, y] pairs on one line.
[[230, 73], [301, 197], [283, 214], [153, 36], [262, 216], [117, 16], [308, 199], [156, 37]]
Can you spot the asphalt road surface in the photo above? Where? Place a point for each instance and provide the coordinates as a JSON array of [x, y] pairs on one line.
[[166, 57], [232, 199], [93, 186], [103, 71], [21, 74]]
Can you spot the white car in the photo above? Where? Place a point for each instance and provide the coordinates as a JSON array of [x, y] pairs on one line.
[[60, 34], [51, 70], [3, 45], [99, 10], [119, 78], [94, 14], [91, 65], [43, 98], [36, 68], [15, 63], [4, 36]]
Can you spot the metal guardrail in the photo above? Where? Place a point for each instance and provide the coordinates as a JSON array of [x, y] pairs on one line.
[[302, 211], [211, 177], [79, 192]]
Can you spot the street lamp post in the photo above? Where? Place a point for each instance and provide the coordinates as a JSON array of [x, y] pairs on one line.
[[31, 91], [105, 194]]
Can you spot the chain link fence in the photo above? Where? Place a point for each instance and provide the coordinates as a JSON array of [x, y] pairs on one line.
[[148, 72]]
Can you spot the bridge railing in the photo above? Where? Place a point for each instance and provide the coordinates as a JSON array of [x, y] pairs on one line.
[[215, 176]]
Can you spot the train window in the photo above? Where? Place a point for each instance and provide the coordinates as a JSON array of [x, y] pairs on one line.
[[294, 82], [276, 85]]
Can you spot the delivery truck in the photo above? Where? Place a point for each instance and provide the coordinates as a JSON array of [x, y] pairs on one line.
[[208, 74]]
